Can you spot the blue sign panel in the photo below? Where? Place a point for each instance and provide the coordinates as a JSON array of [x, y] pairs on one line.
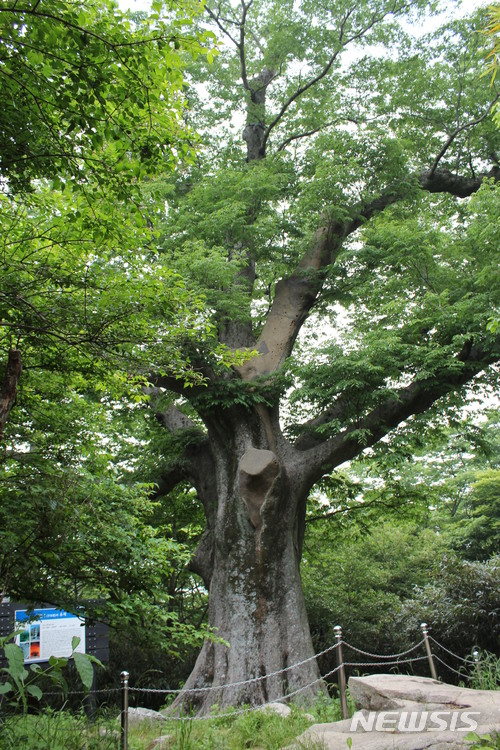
[[48, 632]]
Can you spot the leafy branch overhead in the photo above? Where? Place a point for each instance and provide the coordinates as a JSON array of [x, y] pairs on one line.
[[90, 91], [91, 118]]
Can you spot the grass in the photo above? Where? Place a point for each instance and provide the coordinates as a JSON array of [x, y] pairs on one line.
[[260, 730], [56, 730], [483, 741], [252, 730], [485, 674]]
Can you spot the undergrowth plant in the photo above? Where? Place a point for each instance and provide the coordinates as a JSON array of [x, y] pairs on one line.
[[483, 741], [327, 709], [21, 684], [231, 730], [63, 730], [485, 674], [245, 729], [57, 730]]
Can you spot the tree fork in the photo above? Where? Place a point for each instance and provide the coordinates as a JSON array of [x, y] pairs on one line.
[[296, 294]]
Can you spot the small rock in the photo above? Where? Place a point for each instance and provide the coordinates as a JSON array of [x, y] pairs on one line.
[[104, 732], [136, 715], [277, 708], [162, 742]]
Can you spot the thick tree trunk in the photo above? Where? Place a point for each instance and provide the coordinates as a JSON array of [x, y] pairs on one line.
[[256, 602]]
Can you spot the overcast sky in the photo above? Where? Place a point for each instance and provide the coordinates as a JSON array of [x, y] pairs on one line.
[[468, 6], [134, 4]]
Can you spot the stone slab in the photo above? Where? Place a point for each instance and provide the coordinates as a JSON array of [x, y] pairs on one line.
[[399, 712]]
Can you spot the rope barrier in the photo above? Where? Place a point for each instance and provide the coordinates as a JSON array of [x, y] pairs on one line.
[[382, 660], [249, 709], [389, 659], [82, 692], [377, 663], [242, 682], [278, 700], [385, 659], [460, 674], [456, 656], [393, 659], [253, 680], [384, 656]]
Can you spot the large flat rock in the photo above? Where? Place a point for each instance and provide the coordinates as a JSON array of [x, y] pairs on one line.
[[409, 713], [383, 691]]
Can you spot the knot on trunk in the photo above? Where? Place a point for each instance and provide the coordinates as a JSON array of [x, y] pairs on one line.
[[257, 472]]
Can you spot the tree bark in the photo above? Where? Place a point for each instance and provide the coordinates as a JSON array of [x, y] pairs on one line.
[[9, 387], [255, 130], [254, 485], [256, 601]]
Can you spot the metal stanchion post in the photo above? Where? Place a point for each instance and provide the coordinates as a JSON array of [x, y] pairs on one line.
[[475, 656], [429, 652], [340, 664], [124, 723]]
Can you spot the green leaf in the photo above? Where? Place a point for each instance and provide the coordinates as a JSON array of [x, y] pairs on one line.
[[84, 667], [15, 657], [74, 642], [35, 691], [5, 687], [57, 662]]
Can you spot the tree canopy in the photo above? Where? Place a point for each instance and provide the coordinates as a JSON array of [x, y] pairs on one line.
[[90, 91], [92, 108]]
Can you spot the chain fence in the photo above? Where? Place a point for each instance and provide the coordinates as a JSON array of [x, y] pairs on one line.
[[409, 656]]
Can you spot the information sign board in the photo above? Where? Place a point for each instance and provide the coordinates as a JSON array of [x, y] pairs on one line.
[[48, 632]]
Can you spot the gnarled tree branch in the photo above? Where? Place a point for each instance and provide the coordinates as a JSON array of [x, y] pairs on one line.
[[459, 130], [445, 181], [296, 294], [196, 465], [410, 400], [343, 41]]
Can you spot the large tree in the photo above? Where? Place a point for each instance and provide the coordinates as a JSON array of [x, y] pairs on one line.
[[352, 246]]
